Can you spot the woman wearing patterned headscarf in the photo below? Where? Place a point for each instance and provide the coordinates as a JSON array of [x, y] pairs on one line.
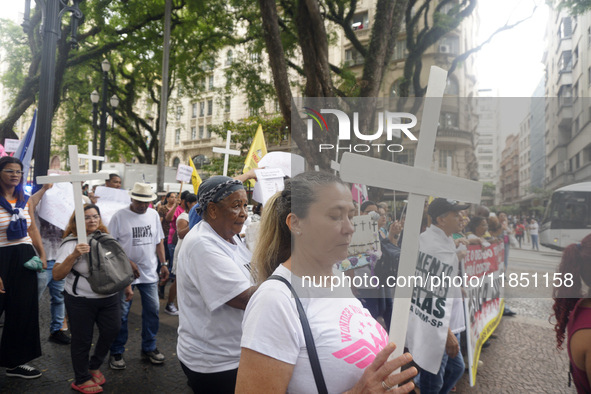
[[214, 286]]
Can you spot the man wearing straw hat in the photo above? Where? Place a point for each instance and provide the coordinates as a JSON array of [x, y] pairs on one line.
[[138, 230]]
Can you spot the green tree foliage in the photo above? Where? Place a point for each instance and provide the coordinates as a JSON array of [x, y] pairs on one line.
[[129, 34], [575, 7]]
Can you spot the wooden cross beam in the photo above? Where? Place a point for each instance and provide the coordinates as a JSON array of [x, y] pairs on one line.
[[227, 152], [420, 183], [76, 179]]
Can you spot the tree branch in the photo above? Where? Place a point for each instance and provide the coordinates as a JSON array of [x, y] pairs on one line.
[[506, 26]]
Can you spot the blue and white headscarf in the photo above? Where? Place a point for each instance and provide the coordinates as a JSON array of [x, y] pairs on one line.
[[215, 189]]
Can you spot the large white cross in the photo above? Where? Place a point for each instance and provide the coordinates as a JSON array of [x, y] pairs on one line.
[[420, 183], [76, 179], [227, 152]]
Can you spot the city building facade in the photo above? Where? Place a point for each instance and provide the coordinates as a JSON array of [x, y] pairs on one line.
[[567, 88]]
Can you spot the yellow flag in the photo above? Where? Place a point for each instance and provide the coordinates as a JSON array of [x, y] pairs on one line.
[[195, 178], [257, 150]]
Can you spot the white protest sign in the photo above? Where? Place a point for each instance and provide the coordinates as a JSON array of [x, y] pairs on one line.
[[110, 201], [269, 182], [57, 205], [183, 173], [11, 145], [290, 163], [420, 183]]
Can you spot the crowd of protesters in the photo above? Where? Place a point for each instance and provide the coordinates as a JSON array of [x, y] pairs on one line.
[[242, 326]]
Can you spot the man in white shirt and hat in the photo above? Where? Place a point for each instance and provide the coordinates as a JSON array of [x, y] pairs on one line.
[[138, 230]]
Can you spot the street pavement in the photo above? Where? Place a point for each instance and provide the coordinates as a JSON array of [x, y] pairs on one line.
[[139, 376], [522, 357]]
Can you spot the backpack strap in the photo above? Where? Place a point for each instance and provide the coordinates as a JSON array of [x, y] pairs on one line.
[[310, 346], [75, 284]]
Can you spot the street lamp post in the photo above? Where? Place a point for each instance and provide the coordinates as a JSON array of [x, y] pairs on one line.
[[114, 101], [51, 29]]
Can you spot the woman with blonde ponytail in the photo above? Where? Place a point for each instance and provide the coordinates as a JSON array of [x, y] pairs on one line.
[[304, 344], [572, 311]]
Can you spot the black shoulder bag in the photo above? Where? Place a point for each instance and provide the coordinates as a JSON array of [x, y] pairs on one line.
[[312, 353]]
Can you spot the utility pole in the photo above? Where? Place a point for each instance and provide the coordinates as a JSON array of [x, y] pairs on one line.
[[164, 96]]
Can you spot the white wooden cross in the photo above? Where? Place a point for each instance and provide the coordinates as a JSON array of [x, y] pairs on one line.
[[420, 183], [76, 179], [227, 152]]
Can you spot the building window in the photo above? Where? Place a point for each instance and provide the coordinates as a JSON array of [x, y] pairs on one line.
[[588, 37], [207, 133], [565, 29], [252, 111], [449, 45], [194, 110], [576, 55], [179, 92], [576, 126], [255, 57], [209, 107], [452, 88], [395, 90], [407, 157], [578, 160], [443, 155], [176, 162], [565, 62], [202, 108], [399, 50], [179, 112], [449, 120], [565, 96], [229, 58], [177, 136], [193, 133], [227, 104], [360, 21], [353, 58], [211, 82], [201, 132]]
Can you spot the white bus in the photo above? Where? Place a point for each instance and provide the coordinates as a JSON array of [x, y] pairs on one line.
[[568, 216]]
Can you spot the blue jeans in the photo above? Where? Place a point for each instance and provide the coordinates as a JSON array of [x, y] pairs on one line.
[[534, 242], [56, 287], [450, 372], [150, 320]]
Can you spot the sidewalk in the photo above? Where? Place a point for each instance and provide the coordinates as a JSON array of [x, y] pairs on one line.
[[139, 376], [522, 359]]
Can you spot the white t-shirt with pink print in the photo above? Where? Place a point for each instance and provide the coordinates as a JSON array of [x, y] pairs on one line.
[[347, 337]]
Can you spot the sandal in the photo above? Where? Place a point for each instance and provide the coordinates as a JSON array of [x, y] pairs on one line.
[[84, 389], [98, 378]]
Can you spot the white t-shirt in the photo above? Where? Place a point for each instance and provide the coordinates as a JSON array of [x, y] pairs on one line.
[[83, 288], [138, 235], [533, 228], [346, 336], [210, 272], [183, 216]]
